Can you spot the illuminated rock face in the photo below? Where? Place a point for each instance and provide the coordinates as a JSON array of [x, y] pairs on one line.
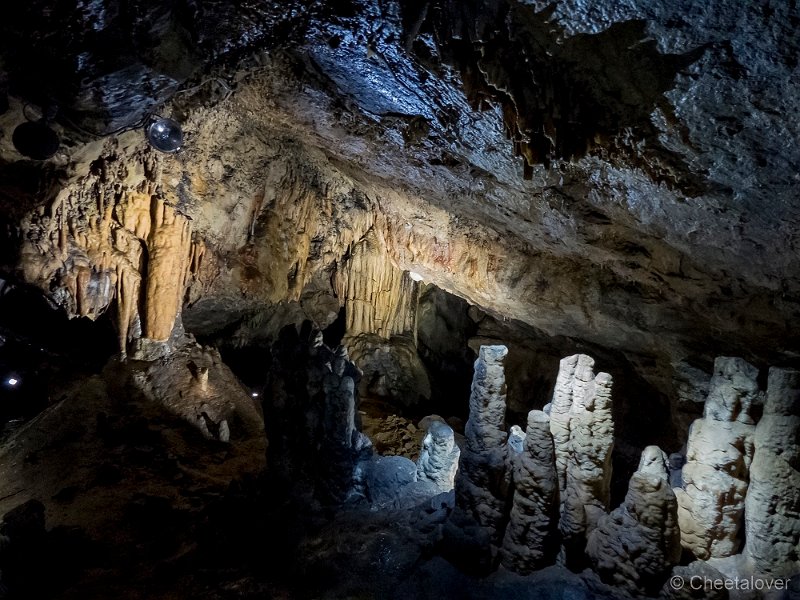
[[772, 506], [111, 238], [483, 478], [530, 540], [438, 461], [636, 545], [583, 436], [719, 453]]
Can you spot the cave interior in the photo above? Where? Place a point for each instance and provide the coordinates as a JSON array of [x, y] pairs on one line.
[[400, 299]]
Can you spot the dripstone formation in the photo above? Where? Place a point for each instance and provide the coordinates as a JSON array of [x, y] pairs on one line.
[[772, 505], [312, 414], [636, 545], [482, 481], [583, 435], [438, 461], [719, 453], [531, 541]]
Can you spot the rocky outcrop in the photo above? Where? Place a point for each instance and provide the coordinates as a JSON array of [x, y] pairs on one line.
[[195, 385], [636, 545], [438, 461], [718, 457], [482, 480], [583, 437], [392, 370], [772, 505], [531, 541]]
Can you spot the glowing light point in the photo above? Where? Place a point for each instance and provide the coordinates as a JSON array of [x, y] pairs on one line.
[[12, 381]]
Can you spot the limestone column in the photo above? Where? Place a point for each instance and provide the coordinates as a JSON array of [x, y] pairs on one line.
[[718, 456], [636, 546], [438, 461], [583, 436], [531, 540], [772, 506], [482, 479]]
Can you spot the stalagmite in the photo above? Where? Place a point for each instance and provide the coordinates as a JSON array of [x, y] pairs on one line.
[[636, 545], [438, 461], [482, 479], [530, 541], [772, 506], [583, 436], [719, 452]]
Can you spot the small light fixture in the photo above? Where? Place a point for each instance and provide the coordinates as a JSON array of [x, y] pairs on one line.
[[12, 381], [35, 139], [254, 394], [415, 276], [165, 135]]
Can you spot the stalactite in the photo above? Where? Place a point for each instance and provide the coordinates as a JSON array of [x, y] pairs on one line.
[[378, 297]]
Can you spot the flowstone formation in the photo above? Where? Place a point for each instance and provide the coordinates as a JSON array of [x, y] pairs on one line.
[[636, 545], [583, 436], [531, 538], [772, 505], [113, 239], [719, 452], [482, 481]]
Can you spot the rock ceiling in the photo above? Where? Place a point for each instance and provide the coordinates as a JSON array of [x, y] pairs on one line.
[[620, 173]]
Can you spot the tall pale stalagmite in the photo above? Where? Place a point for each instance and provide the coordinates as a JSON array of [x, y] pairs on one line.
[[718, 456], [772, 506], [636, 546], [530, 541], [583, 436], [482, 479]]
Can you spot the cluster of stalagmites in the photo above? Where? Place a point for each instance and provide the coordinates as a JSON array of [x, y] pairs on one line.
[[742, 480], [537, 495], [529, 499]]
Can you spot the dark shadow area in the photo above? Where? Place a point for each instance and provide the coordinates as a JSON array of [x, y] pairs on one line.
[[40, 348]]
